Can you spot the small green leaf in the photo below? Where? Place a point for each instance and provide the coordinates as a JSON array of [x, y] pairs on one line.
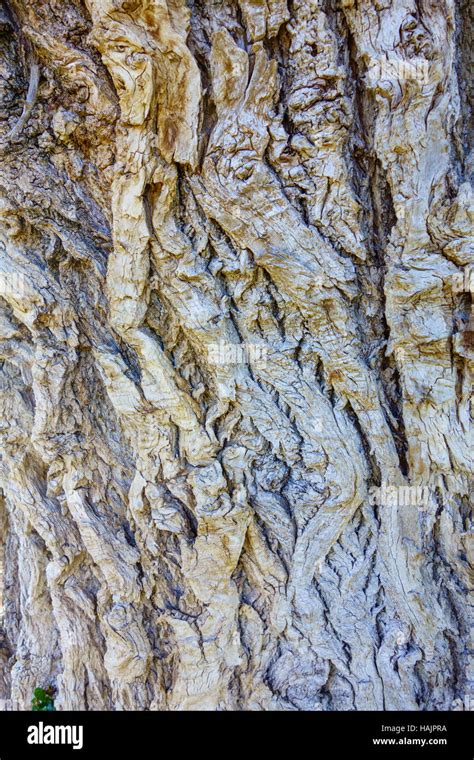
[[43, 700]]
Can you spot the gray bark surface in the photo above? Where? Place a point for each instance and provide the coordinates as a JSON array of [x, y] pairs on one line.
[[236, 353]]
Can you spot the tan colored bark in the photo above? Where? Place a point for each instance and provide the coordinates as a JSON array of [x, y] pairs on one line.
[[236, 241]]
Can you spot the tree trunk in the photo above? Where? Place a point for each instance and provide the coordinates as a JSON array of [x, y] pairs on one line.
[[235, 353]]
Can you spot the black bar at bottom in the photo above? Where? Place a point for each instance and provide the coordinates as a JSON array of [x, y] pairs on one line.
[[134, 735]]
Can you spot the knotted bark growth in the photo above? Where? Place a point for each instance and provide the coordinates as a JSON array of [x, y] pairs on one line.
[[235, 353]]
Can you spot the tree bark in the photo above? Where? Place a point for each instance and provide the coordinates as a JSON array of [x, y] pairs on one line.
[[236, 353]]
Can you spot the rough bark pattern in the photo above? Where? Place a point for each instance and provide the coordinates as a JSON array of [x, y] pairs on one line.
[[180, 181]]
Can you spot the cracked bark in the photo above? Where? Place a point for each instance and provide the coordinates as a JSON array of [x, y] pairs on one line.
[[181, 530]]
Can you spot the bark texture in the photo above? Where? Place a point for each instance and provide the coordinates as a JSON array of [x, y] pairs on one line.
[[235, 304]]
